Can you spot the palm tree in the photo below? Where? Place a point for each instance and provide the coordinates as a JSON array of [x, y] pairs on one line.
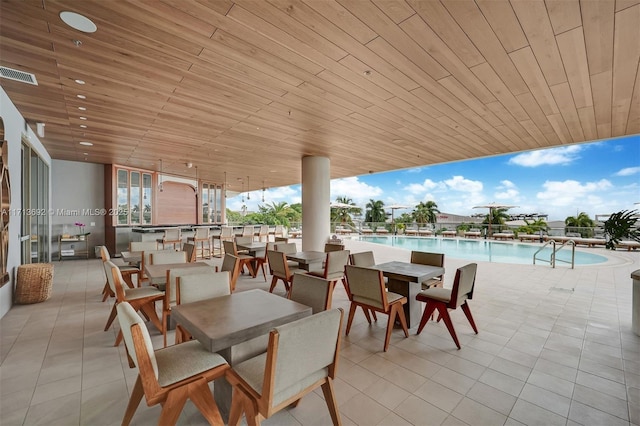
[[375, 211], [343, 214], [581, 223], [426, 212]]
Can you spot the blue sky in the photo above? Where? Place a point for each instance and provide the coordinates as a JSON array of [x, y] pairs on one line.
[[597, 178]]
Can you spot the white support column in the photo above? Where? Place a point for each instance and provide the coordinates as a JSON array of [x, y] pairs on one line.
[[316, 213]]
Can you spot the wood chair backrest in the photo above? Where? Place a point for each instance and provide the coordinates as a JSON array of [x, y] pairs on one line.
[[248, 231], [365, 259], [296, 351], [170, 292], [202, 233], [172, 234], [366, 286], [231, 264], [244, 240], [278, 264], [335, 263], [190, 250], [143, 246], [104, 253], [333, 247], [195, 287], [115, 280], [312, 291], [427, 258], [167, 256], [463, 285], [230, 247], [226, 232], [286, 248]]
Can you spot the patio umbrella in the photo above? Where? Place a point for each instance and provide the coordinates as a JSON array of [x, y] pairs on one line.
[[393, 208], [336, 205], [492, 207]]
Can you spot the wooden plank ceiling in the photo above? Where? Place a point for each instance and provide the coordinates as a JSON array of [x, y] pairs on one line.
[[250, 87]]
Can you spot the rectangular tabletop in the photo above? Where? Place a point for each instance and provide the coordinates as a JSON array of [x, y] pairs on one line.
[[253, 246], [228, 320], [157, 274], [131, 256], [308, 260], [406, 279]]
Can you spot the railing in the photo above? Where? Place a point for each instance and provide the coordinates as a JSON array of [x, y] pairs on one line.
[[553, 258]]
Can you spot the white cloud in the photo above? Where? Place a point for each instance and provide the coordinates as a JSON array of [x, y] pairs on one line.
[[420, 188], [573, 193], [353, 188], [629, 171], [507, 191], [549, 157], [459, 183]]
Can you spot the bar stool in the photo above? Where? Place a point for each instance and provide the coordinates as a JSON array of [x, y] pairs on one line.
[[202, 236], [171, 236]]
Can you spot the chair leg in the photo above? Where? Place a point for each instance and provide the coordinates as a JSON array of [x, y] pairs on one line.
[[173, 406], [106, 292], [352, 311], [428, 310], [274, 281], [444, 313], [119, 338], [112, 316], [134, 401], [467, 312], [201, 396], [330, 399], [366, 314], [403, 320], [237, 407], [390, 323]]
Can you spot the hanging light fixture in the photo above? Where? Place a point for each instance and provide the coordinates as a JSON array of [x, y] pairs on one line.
[[248, 193], [263, 189], [160, 187], [243, 191], [225, 184]]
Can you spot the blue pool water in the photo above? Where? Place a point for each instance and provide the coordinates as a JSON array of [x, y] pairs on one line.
[[483, 250]]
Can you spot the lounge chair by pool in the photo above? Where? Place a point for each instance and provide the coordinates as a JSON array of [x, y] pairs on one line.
[[472, 233], [449, 234], [424, 232], [506, 235]]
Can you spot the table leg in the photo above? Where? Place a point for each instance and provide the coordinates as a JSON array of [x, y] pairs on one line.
[[222, 390], [413, 308]]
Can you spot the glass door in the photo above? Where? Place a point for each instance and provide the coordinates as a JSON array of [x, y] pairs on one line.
[[35, 208]]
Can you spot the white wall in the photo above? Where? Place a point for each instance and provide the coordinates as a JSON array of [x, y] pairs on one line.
[[14, 129], [79, 187]]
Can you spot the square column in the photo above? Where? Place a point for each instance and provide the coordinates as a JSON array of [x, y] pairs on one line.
[[316, 213]]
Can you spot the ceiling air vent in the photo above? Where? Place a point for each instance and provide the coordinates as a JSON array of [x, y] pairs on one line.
[[18, 75]]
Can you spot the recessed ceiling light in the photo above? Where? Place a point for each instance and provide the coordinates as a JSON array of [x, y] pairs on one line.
[[78, 22], [79, 81], [85, 143], [81, 96], [367, 72], [82, 108], [83, 118], [84, 126]]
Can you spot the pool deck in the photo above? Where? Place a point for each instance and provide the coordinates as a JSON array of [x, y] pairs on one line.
[[555, 346]]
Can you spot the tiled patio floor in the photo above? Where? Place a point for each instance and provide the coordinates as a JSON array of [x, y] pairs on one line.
[[555, 347]]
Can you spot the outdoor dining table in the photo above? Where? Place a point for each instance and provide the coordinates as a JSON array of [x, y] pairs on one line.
[[157, 274], [236, 326], [308, 260], [406, 279], [252, 247]]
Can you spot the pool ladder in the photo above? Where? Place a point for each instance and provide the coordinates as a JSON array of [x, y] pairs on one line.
[[553, 259]]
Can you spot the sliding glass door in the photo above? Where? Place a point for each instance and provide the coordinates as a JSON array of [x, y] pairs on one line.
[[35, 207]]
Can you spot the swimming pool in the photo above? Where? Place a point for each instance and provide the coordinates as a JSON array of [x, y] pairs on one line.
[[483, 250]]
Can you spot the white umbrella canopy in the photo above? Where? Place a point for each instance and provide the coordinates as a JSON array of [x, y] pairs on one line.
[[336, 205], [492, 207], [393, 208]]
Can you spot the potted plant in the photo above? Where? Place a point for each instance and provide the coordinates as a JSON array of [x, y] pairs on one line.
[[621, 225]]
